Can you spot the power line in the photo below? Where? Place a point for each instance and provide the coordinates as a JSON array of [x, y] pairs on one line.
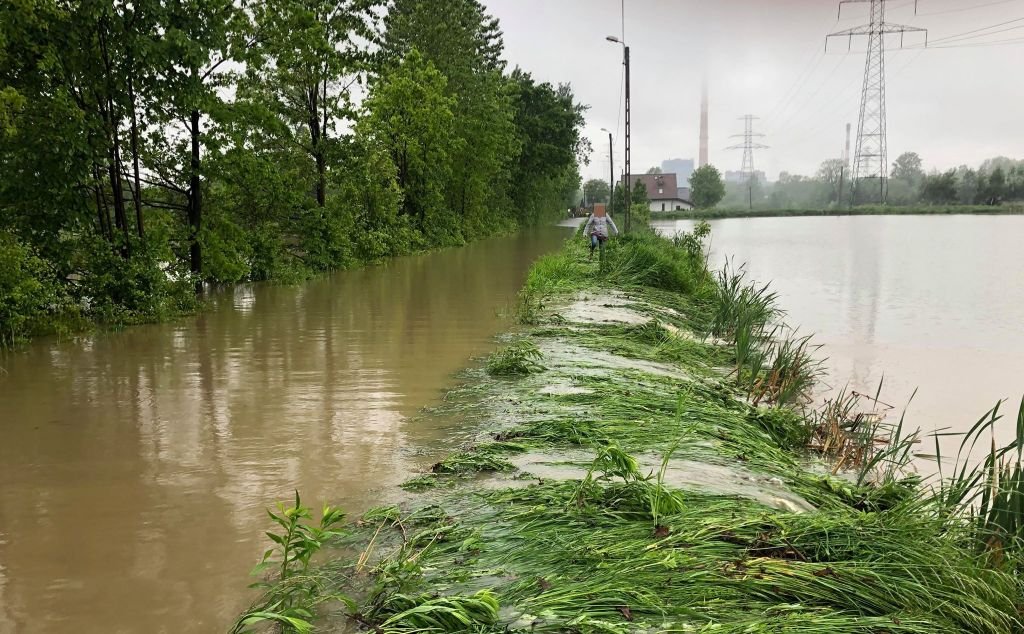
[[785, 120], [1016, 40], [971, 8], [985, 28]]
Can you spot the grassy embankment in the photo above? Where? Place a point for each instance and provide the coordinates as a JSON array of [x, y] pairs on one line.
[[643, 465], [864, 210]]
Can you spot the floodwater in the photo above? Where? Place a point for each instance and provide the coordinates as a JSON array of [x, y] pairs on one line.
[[135, 466], [932, 303]]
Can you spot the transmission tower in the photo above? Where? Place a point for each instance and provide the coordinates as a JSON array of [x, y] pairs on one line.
[[870, 160], [748, 146]]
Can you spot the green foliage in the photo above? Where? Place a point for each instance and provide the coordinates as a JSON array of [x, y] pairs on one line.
[[644, 259], [291, 597], [220, 142], [30, 294], [596, 190], [939, 189], [519, 358], [706, 187], [441, 614], [147, 286], [908, 168]]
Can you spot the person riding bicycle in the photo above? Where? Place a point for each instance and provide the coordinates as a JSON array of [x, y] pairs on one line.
[[597, 227]]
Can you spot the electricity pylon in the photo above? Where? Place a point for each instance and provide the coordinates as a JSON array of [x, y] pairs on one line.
[[748, 146], [871, 158]]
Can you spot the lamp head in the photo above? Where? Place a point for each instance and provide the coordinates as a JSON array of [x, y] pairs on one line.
[[612, 38]]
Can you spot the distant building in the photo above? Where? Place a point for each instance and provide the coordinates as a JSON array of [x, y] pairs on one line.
[[682, 168], [662, 192], [741, 177]]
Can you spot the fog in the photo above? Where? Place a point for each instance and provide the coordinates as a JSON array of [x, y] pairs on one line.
[[955, 103]]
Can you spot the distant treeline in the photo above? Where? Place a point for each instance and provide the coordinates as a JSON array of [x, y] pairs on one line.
[[149, 147], [998, 181]]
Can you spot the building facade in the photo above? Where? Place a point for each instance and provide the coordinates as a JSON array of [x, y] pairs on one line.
[[663, 192]]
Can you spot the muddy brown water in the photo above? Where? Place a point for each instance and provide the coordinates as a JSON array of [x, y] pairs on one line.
[[135, 467]]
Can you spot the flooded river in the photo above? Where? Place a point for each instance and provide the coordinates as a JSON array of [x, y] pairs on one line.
[[933, 303], [135, 466]]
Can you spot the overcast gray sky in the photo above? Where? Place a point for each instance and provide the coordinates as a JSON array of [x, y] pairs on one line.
[[953, 105]]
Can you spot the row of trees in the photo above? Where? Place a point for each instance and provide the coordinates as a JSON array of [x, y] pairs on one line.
[[996, 181], [149, 146]]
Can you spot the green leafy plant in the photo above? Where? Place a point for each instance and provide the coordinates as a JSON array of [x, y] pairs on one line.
[[292, 592], [520, 358]]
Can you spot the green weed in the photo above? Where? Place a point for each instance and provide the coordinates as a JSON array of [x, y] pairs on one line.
[[519, 358]]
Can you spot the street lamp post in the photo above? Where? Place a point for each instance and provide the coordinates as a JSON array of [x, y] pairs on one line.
[[627, 191], [611, 169]]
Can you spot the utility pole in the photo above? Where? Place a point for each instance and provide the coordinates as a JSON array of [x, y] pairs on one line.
[[871, 158], [842, 170], [748, 146], [611, 169], [628, 184]]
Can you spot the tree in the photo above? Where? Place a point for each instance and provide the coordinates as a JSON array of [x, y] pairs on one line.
[[940, 189], [409, 115], [464, 44], [654, 170], [969, 185], [995, 190], [908, 168], [706, 187], [639, 195], [833, 173], [548, 122], [308, 57], [596, 190]]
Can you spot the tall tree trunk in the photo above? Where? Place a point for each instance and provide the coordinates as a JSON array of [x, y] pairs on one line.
[[137, 191], [116, 188], [101, 204], [106, 106], [317, 141], [195, 202]]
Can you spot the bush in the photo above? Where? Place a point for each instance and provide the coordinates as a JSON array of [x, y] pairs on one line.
[[227, 250], [30, 294], [149, 285]]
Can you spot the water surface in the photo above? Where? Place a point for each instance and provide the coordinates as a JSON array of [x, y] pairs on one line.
[[135, 466], [933, 303]]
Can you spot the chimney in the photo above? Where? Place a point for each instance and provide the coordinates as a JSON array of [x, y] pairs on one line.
[[704, 124]]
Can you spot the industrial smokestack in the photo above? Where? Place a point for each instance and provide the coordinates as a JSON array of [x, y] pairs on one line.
[[846, 153], [703, 160]]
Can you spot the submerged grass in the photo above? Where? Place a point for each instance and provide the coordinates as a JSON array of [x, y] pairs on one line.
[[668, 486]]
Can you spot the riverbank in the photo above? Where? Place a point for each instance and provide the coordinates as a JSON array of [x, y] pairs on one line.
[[875, 210], [641, 466], [34, 305]]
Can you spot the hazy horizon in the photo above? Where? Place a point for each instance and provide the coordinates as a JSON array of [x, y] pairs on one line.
[[953, 103]]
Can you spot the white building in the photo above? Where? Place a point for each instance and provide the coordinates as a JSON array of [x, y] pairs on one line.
[[663, 192]]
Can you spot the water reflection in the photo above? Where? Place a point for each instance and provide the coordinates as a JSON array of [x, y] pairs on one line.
[[135, 466], [929, 302]]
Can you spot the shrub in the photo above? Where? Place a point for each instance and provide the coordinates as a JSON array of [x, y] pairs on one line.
[[30, 294], [149, 285], [227, 249]]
